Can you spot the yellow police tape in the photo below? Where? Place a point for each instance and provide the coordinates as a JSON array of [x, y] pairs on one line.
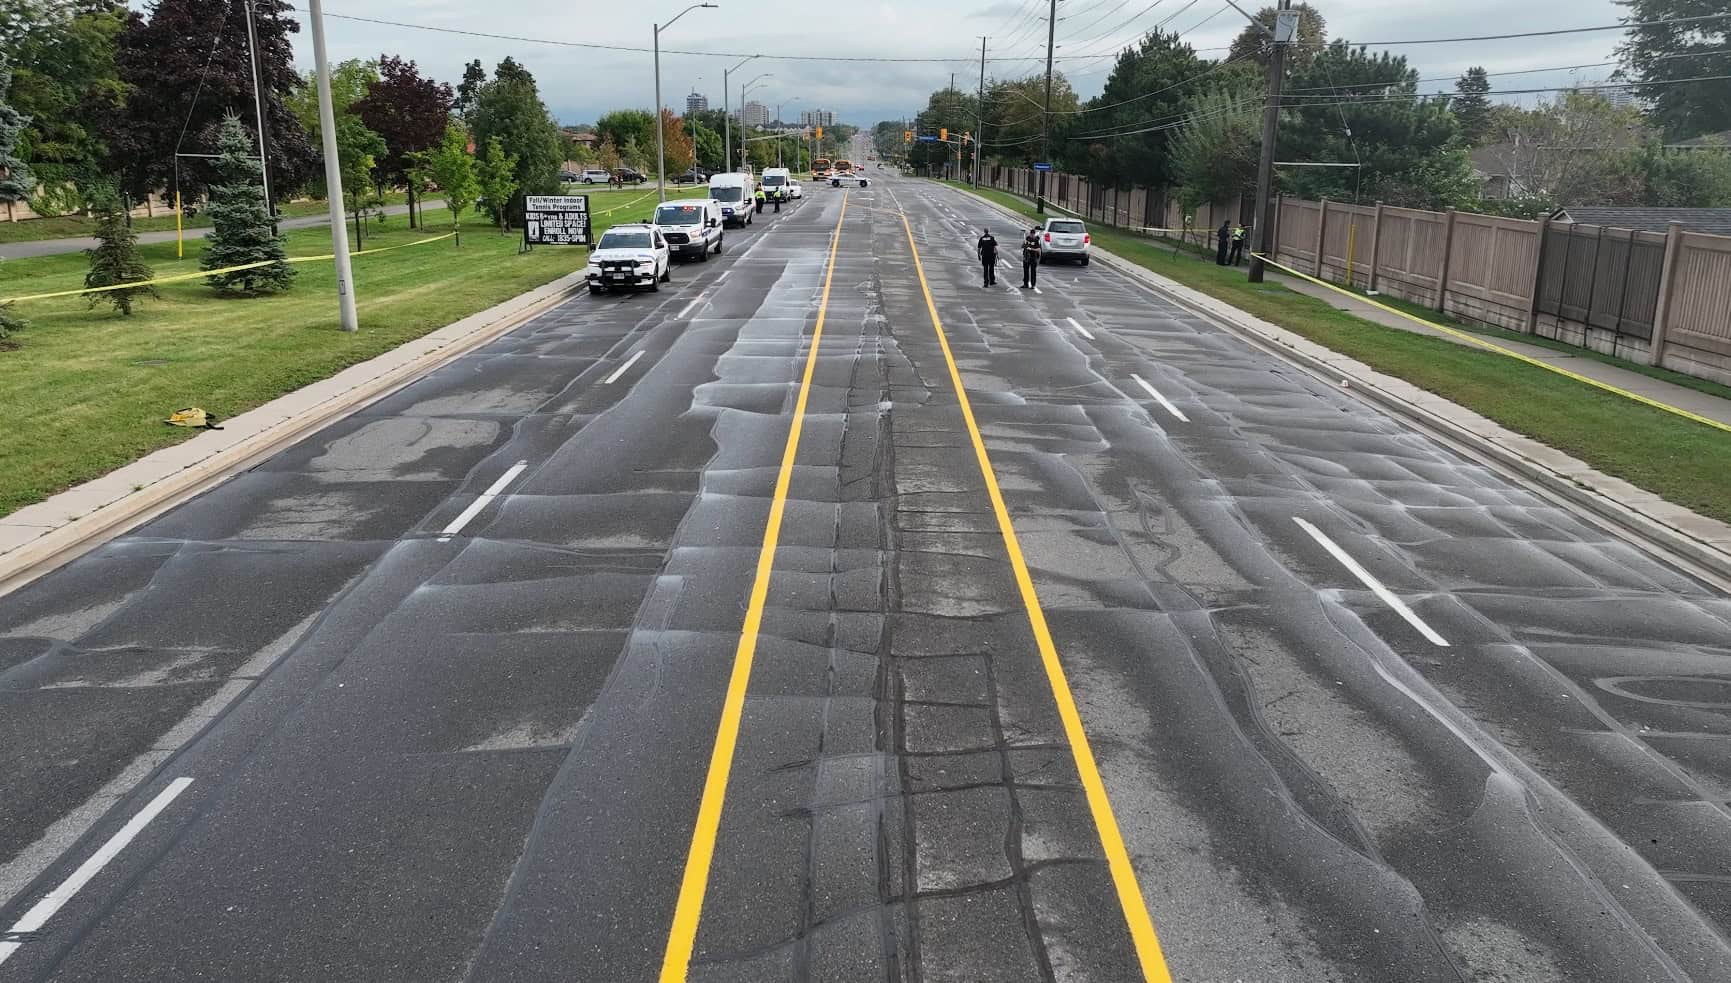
[[227, 269], [1493, 346]]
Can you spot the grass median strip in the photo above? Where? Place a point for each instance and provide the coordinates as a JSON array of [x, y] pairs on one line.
[[1678, 460], [88, 390]]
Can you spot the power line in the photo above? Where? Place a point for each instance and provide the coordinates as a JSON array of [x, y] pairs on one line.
[[1523, 71]]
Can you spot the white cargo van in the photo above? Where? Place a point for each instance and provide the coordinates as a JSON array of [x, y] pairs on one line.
[[777, 183], [735, 192], [692, 226]]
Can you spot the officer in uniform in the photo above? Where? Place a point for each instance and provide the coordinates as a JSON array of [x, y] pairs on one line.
[[759, 198], [1031, 258], [1222, 243], [987, 248], [1238, 233]]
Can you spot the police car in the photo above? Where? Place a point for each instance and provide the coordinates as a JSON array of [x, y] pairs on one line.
[[848, 179], [629, 256]]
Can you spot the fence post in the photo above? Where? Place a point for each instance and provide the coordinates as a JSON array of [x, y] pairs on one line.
[[1375, 249], [1667, 284], [1273, 223], [1532, 325], [1321, 236], [1442, 280]]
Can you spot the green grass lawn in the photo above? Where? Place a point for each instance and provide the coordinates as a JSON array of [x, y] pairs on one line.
[[1681, 461], [68, 226], [87, 389]]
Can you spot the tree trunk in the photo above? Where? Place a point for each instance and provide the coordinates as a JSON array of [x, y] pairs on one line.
[[412, 224]]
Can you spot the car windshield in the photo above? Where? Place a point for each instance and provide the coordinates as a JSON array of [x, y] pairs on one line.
[[733, 193], [679, 215], [1067, 227], [634, 239], [771, 180]]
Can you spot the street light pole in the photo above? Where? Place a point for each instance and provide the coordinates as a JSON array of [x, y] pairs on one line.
[[742, 91], [258, 110], [727, 117], [778, 118], [660, 131], [333, 173], [1285, 30], [980, 113], [1046, 117]]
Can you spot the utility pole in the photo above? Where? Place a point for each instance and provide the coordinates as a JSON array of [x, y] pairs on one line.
[[1046, 117], [980, 113], [727, 116], [660, 131], [258, 111], [1285, 30], [333, 172]]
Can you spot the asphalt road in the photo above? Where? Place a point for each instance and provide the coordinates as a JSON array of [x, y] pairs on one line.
[[54, 247], [437, 694]]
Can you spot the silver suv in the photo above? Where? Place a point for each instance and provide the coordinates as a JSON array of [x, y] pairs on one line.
[[1064, 238]]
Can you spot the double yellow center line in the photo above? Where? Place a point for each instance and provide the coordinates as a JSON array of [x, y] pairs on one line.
[[689, 909]]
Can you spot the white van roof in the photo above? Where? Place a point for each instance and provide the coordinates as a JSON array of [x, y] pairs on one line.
[[731, 177]]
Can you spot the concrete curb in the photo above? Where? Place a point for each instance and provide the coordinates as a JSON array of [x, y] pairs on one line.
[[38, 538], [1677, 534]]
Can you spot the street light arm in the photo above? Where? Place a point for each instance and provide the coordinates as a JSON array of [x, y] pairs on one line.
[[1264, 28], [662, 27]]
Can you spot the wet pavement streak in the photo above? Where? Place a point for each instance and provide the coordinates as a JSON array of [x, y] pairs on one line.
[[481, 759]]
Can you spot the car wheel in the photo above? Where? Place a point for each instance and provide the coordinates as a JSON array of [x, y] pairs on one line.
[[1084, 261], [703, 255], [667, 274], [718, 241], [595, 289]]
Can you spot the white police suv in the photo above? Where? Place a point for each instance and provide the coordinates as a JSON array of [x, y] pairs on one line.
[[629, 256]]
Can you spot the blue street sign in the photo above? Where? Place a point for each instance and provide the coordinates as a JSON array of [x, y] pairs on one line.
[[1042, 167], [926, 139]]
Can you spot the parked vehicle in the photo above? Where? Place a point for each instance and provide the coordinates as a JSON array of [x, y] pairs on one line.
[[569, 177], [795, 189], [629, 256], [593, 175], [775, 182], [692, 227], [734, 191], [696, 175], [853, 179], [628, 175], [1064, 238]]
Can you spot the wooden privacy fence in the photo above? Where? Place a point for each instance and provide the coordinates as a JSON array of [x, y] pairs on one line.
[[1658, 299]]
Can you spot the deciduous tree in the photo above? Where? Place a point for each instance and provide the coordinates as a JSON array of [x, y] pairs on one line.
[[241, 231], [1215, 152], [622, 125], [187, 64], [1123, 136], [510, 110], [676, 143], [65, 80], [498, 181], [1256, 41], [474, 76], [452, 169], [409, 112]]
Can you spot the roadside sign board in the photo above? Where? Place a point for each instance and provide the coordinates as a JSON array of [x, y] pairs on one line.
[[556, 220], [1042, 166], [926, 138]]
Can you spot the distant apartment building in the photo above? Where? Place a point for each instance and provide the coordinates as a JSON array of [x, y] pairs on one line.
[[754, 114], [696, 102], [817, 117]]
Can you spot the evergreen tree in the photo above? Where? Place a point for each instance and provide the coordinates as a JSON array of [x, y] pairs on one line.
[[1676, 47], [1255, 41], [241, 230], [498, 180], [1473, 105], [10, 323], [115, 258], [15, 177], [510, 108], [474, 76]]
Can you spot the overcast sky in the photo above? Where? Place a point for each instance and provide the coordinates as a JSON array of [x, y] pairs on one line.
[[579, 84]]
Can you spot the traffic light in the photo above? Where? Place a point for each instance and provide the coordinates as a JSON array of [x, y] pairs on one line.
[[820, 133], [907, 136], [943, 134]]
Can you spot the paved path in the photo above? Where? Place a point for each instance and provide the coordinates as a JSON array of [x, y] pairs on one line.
[[1695, 401], [436, 693], [53, 247]]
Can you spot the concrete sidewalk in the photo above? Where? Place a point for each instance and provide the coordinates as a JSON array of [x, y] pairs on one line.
[[54, 247], [1702, 404]]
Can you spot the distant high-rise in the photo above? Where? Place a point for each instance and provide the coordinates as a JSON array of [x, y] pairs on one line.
[[754, 114], [817, 117], [696, 102]]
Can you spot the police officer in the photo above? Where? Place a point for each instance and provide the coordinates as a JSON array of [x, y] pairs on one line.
[[759, 199], [1238, 232], [987, 248], [1031, 258], [1222, 243]]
